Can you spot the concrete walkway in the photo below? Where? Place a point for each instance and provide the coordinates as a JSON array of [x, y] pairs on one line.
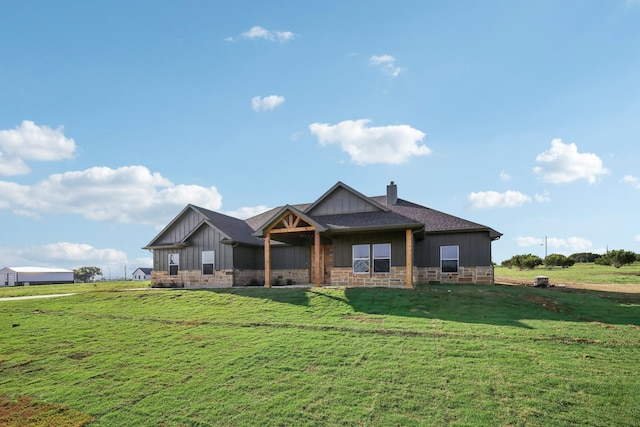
[[35, 297]]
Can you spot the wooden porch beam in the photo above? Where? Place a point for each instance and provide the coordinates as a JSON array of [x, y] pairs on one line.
[[409, 255], [316, 259], [267, 260], [291, 230]]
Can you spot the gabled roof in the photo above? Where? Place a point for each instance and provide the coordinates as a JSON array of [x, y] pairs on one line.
[[145, 270], [372, 213], [435, 221], [234, 229], [367, 221], [287, 208], [341, 185]]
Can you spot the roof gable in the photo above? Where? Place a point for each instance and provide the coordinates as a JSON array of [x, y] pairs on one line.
[[289, 219], [342, 199], [192, 218]]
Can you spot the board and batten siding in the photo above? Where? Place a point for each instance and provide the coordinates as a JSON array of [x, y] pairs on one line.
[[343, 247], [342, 201], [183, 226], [205, 239], [290, 257], [475, 248]]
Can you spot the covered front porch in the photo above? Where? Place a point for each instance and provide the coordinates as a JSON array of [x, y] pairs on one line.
[[293, 227]]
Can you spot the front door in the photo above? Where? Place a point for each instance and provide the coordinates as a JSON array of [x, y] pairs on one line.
[[11, 279], [326, 261]]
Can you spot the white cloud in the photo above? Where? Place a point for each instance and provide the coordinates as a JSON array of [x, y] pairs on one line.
[[63, 255], [127, 194], [542, 197], [247, 212], [526, 241], [258, 32], [629, 179], [564, 164], [387, 63], [505, 176], [493, 199], [567, 246], [637, 238], [266, 103], [392, 144], [29, 141]]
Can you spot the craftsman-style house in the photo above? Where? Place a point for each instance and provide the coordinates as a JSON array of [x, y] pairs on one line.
[[343, 238]]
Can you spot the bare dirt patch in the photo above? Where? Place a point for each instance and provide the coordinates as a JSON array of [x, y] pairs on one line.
[[24, 411], [546, 303], [361, 318]]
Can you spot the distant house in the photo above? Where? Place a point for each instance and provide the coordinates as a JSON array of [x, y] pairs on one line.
[[11, 276], [142, 273], [343, 238]]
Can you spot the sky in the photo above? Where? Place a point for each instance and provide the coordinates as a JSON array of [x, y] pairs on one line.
[[114, 115]]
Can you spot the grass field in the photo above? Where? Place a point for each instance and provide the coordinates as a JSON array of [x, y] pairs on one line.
[[437, 355], [579, 273]]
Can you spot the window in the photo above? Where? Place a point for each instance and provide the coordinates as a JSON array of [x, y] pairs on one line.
[[208, 262], [449, 259], [361, 259], [174, 262], [382, 258]]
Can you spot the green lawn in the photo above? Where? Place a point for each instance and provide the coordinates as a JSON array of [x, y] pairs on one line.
[[579, 273], [438, 355]]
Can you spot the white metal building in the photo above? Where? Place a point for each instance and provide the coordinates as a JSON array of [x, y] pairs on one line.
[[11, 276], [142, 273]]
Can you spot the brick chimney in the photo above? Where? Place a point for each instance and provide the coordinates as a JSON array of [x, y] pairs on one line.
[[392, 194]]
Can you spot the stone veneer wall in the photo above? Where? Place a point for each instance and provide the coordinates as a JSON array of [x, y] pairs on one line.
[[340, 276], [225, 278], [191, 278], [471, 275], [344, 276]]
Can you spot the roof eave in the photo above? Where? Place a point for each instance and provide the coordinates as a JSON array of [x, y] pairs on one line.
[[394, 227]]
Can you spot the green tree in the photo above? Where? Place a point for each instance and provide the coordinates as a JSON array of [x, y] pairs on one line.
[[84, 274], [523, 262], [617, 258], [558, 260], [584, 257]]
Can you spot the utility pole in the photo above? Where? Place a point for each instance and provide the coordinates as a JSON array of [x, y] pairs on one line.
[[125, 273], [545, 247]]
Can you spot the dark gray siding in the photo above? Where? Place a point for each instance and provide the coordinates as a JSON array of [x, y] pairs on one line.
[[290, 257], [205, 239], [343, 201], [248, 257], [475, 249], [180, 228], [208, 239], [342, 247]]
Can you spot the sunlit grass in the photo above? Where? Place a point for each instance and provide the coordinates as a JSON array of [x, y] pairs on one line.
[[438, 355]]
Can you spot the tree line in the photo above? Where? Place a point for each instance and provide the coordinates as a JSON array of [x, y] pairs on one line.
[[615, 258]]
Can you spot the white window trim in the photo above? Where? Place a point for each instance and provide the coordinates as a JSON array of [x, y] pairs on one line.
[[373, 249], [171, 258], [457, 259], [354, 259], [213, 263]]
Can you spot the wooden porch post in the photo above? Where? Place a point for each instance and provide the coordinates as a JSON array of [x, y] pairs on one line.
[[267, 260], [316, 259], [409, 255]]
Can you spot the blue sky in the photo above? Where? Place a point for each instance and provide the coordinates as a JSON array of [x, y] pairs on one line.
[[523, 116]]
